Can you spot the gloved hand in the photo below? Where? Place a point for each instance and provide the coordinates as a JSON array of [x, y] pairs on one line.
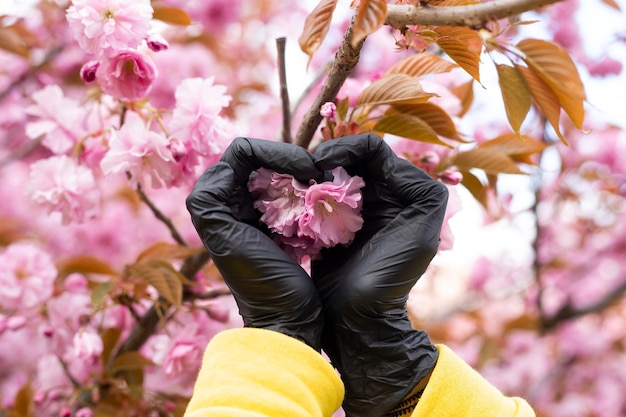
[[272, 291], [364, 287]]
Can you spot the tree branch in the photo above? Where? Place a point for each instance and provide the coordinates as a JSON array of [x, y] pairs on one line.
[[345, 60], [159, 215], [474, 16], [284, 92], [568, 312]]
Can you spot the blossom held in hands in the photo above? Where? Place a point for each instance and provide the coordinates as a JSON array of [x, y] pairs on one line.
[[332, 210], [127, 75], [103, 27]]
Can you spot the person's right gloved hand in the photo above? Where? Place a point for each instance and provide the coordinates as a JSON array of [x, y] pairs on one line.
[[271, 290], [364, 287]]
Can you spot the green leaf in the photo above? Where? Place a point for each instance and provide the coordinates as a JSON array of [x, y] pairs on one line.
[[515, 94], [99, 292]]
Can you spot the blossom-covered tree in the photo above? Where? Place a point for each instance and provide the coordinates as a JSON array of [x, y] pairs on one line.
[[111, 110]]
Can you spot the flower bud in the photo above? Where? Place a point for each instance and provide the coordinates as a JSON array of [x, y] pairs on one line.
[[88, 71]]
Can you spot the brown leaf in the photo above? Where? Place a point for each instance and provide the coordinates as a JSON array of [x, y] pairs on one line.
[[463, 45], [11, 41], [316, 27], [84, 264], [110, 336], [475, 187], [370, 16], [491, 161], [518, 150], [165, 250], [465, 93], [612, 3], [172, 15], [554, 65], [393, 88], [421, 64], [434, 116], [515, 95], [544, 98], [407, 126], [162, 276], [130, 360]]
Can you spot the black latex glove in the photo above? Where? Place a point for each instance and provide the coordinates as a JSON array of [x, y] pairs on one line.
[[364, 287], [271, 290]]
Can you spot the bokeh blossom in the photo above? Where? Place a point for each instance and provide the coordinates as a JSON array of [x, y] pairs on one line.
[[138, 152], [127, 75], [59, 184], [26, 277], [56, 118], [106, 26]]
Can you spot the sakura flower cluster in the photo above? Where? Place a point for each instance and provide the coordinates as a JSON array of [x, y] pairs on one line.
[[113, 30], [304, 219]]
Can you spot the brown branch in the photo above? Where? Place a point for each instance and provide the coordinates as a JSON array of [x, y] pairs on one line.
[[345, 60], [159, 215], [568, 312], [474, 16], [284, 92]]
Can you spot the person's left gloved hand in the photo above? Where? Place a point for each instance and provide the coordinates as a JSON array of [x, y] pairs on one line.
[[272, 291], [364, 287]]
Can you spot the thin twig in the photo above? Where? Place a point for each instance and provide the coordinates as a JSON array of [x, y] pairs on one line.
[[474, 16], [284, 91], [159, 215], [345, 60], [316, 79]]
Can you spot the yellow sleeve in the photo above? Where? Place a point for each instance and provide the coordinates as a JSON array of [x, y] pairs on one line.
[[263, 373], [455, 389]]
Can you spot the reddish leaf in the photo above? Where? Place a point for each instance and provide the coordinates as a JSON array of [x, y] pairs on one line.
[[463, 45], [434, 116], [370, 16], [555, 67], [475, 187], [491, 161], [465, 93], [544, 98], [515, 95], [165, 250], [162, 276], [518, 150], [407, 126], [316, 27], [85, 265], [612, 3], [421, 64], [393, 88]]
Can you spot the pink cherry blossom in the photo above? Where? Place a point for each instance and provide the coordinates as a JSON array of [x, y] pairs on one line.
[[88, 71], [56, 118], [26, 277], [156, 42], [332, 209], [196, 117], [87, 344], [127, 74], [329, 111], [139, 152], [105, 26], [60, 184], [281, 201]]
